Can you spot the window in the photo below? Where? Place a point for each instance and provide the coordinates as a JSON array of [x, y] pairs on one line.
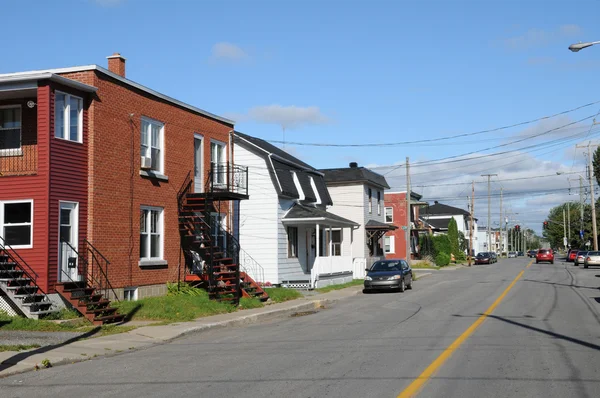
[[68, 117], [389, 214], [378, 203], [16, 223], [151, 233], [130, 294], [217, 161], [388, 244], [152, 143], [292, 242], [336, 242], [10, 130], [370, 201]]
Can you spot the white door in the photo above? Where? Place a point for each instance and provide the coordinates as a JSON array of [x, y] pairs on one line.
[[217, 161], [198, 164], [68, 241]]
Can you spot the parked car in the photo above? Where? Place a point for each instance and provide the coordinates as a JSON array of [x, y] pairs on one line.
[[544, 255], [494, 257], [389, 274], [580, 257], [521, 254], [512, 254], [483, 258], [591, 258], [531, 253], [572, 254]]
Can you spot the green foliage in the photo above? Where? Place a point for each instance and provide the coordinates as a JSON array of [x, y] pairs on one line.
[[426, 245], [453, 236], [441, 244], [281, 294], [183, 289], [442, 259], [461, 257], [463, 243], [64, 313], [596, 164], [326, 289], [247, 303], [18, 347], [555, 231]]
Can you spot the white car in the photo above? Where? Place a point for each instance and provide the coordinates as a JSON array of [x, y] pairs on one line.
[[512, 254]]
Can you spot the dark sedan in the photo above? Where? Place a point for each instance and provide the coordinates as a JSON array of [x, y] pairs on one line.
[[484, 258], [389, 274]]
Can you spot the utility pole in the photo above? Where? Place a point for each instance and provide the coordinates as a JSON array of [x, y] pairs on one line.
[[591, 175], [500, 228], [489, 221], [568, 223], [581, 209], [471, 225], [564, 229], [408, 212]]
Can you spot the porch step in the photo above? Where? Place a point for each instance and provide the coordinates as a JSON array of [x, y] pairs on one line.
[[115, 318], [92, 305]]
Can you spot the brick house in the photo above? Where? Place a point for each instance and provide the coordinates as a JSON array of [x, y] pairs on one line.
[[95, 167], [394, 241]]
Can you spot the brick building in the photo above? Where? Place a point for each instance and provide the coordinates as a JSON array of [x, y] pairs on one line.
[[91, 161], [395, 214]]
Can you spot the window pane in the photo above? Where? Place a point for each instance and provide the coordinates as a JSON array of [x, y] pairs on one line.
[[75, 108], [145, 126], [143, 245], [155, 246], [336, 236], [155, 153], [154, 221], [20, 235], [155, 137], [59, 115], [65, 233], [143, 218], [65, 216], [10, 139], [10, 118], [16, 213]]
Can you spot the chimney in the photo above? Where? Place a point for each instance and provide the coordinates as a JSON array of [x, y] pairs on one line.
[[116, 64], [353, 165]]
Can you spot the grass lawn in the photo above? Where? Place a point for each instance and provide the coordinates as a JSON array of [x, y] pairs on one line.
[[19, 347], [326, 289], [425, 266], [281, 294]]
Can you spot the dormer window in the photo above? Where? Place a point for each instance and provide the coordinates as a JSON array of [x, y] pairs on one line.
[[301, 195]]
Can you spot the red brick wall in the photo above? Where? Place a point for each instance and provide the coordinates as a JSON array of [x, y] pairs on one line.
[[397, 201], [116, 190]]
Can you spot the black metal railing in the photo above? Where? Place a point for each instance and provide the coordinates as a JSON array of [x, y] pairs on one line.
[[91, 265], [228, 177], [18, 161], [21, 263]]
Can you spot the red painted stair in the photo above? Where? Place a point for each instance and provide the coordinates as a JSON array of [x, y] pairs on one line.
[[91, 304]]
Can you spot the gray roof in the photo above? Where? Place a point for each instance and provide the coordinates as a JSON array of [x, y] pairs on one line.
[[372, 224], [300, 211], [353, 175], [437, 223], [281, 167], [439, 209]]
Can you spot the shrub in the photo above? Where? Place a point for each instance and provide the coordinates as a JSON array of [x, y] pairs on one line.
[[461, 256], [442, 259], [441, 244]]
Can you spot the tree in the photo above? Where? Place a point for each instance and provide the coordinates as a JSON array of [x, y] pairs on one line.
[[554, 233], [596, 164], [463, 243], [453, 236]]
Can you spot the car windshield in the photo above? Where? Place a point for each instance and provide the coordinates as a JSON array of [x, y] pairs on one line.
[[544, 251], [386, 266], [483, 255], [593, 254]]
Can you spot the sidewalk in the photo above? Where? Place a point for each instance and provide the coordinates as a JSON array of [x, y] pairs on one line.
[[83, 347]]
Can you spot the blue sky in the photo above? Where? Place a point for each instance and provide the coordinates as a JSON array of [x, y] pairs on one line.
[[346, 72]]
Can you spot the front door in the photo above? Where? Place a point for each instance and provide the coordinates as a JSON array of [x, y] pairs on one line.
[[67, 254], [311, 242], [217, 161], [198, 164]]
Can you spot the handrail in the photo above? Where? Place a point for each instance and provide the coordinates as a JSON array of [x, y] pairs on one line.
[[258, 272], [31, 274], [234, 178]]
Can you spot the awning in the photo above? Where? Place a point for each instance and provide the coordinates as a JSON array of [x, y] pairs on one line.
[[376, 225], [300, 214]]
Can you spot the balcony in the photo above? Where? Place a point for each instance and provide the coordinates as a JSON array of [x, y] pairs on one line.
[[228, 181], [18, 138]]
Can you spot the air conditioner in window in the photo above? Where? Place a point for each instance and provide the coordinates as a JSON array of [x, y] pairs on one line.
[[146, 163]]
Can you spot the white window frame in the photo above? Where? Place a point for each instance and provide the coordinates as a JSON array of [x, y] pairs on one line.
[[14, 151], [2, 225], [391, 214], [161, 233], [370, 196], [391, 242], [292, 244], [216, 175], [130, 293], [378, 203], [148, 143], [66, 130], [331, 244]]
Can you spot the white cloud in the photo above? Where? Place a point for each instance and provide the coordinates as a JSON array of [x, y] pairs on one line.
[[540, 37], [228, 52], [289, 117]]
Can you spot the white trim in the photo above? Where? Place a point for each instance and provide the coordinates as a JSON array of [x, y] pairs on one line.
[[2, 225], [392, 244], [45, 75], [314, 188], [385, 214], [14, 151], [161, 170], [198, 136], [74, 206], [67, 118], [161, 233], [301, 195], [48, 74]]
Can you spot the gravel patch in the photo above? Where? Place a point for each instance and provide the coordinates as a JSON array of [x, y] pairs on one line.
[[40, 338]]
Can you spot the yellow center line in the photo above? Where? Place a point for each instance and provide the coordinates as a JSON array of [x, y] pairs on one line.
[[414, 387]]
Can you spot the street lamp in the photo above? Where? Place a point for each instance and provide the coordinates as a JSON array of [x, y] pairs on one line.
[[580, 46]]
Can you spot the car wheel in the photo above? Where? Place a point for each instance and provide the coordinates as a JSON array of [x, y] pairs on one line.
[[585, 265], [537, 262], [551, 262], [409, 286], [402, 285]]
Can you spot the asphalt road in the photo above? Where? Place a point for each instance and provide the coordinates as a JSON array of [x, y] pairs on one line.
[[542, 340]]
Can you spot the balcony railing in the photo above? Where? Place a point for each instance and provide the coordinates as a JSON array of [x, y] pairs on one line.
[[228, 178], [18, 161]]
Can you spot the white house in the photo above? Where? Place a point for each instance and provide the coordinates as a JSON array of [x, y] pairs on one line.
[[498, 241], [357, 194], [285, 226], [438, 216]]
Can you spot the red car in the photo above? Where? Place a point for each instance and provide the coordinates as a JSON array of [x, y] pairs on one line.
[[545, 255], [572, 255]]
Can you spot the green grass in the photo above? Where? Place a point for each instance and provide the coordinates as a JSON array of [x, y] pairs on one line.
[[18, 347], [281, 294], [424, 265], [18, 323], [247, 303], [326, 289], [64, 314], [174, 308]]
